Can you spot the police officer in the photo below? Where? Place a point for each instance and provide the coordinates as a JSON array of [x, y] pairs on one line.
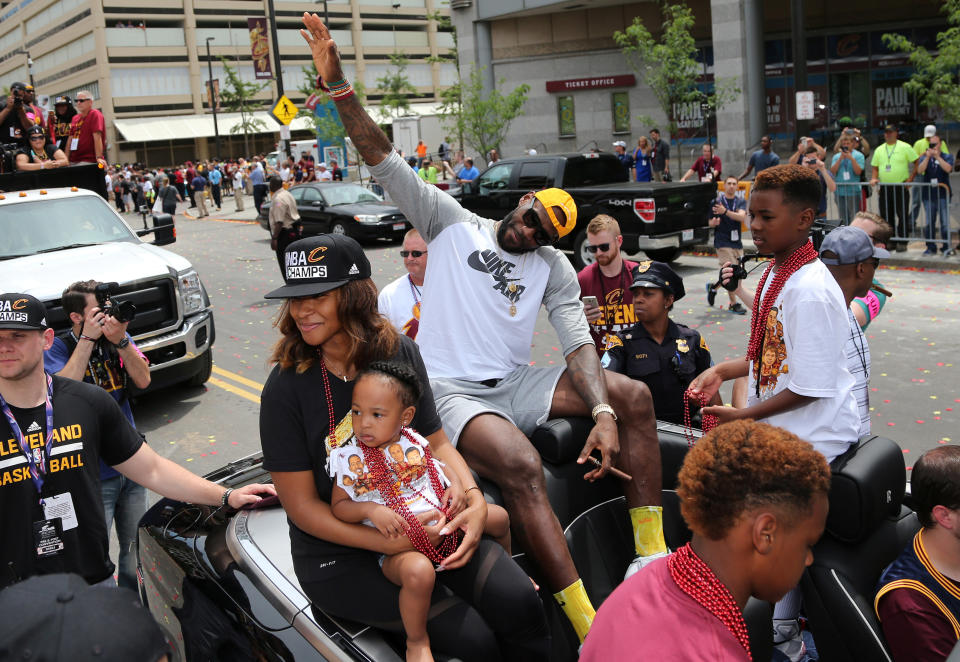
[[664, 355]]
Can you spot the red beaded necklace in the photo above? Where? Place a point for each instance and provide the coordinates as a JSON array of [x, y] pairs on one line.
[[707, 421], [758, 323], [383, 479], [332, 435], [696, 579]]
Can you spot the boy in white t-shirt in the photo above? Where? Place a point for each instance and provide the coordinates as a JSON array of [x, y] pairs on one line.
[[796, 362]]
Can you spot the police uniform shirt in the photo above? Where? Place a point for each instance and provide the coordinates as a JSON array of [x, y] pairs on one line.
[[667, 369]]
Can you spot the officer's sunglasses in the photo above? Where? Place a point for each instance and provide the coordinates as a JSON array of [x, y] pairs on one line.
[[532, 221], [603, 248], [412, 253]]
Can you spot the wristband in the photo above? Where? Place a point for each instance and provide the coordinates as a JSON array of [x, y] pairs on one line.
[[602, 408], [123, 343], [225, 497], [83, 337], [467, 491]]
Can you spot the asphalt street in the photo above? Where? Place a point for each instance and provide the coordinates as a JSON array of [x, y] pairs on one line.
[[915, 392]]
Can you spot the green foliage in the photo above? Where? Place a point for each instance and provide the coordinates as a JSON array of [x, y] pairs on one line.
[[396, 88], [327, 126], [669, 66], [935, 82], [481, 117], [237, 95]]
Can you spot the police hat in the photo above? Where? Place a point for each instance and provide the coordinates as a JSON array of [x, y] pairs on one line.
[[658, 275]]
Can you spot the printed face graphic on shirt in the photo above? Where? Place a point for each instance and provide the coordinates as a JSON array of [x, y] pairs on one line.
[[500, 269], [771, 363]]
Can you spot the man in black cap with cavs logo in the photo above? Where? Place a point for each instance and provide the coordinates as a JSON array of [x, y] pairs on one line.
[[53, 431]]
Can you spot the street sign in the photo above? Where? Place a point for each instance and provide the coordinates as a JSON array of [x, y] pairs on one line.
[[285, 110], [285, 132], [805, 106], [312, 101]]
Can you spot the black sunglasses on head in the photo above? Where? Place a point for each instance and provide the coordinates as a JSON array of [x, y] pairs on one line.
[[412, 253], [532, 220], [603, 248]]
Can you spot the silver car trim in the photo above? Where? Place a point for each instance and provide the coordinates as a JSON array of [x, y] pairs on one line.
[[182, 334]]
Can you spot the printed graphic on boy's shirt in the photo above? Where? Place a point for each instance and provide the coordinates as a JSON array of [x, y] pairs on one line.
[[771, 363]]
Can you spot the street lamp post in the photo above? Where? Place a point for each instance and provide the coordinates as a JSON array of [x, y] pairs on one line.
[[213, 105]]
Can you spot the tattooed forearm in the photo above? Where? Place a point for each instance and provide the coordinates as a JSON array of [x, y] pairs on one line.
[[367, 137], [587, 376]]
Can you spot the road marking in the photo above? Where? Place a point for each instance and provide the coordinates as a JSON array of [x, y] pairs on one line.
[[234, 389], [237, 378]]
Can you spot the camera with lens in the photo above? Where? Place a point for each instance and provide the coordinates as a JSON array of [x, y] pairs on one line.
[[739, 273], [122, 311]]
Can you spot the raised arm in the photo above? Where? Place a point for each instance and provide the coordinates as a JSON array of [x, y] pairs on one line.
[[370, 141]]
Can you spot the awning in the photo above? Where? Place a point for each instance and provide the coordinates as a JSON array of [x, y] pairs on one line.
[[178, 127], [150, 129]]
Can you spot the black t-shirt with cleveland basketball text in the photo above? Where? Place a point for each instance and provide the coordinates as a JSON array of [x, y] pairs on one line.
[[294, 424], [87, 426]]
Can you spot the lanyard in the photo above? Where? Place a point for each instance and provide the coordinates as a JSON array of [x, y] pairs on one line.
[[37, 468], [414, 290], [890, 153]]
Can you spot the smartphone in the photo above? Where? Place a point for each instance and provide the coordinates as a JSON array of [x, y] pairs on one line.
[[591, 301]]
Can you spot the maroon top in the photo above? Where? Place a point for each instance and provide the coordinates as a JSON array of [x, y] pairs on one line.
[[916, 631], [700, 167], [82, 129], [614, 297]]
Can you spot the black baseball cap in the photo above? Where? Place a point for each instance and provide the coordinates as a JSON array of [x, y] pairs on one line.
[[891, 127], [22, 311], [660, 276], [18, 86], [319, 264], [61, 99], [61, 617], [36, 129]]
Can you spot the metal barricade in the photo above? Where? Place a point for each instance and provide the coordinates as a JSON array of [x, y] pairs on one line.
[[917, 211]]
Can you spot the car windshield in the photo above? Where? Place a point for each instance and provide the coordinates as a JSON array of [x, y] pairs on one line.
[[348, 194], [44, 226]]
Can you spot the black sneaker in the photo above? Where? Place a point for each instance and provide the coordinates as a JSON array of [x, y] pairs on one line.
[[738, 309], [711, 294]]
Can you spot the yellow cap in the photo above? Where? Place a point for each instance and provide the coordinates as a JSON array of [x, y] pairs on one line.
[[555, 197]]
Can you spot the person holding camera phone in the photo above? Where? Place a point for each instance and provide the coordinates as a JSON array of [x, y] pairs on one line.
[[98, 350], [847, 166], [812, 160], [13, 117]]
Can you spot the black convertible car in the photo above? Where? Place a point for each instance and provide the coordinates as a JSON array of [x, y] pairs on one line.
[[222, 587], [343, 208]]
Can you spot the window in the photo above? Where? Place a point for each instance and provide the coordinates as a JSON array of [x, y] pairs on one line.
[[496, 178], [297, 192], [535, 175], [311, 194], [621, 112], [566, 117]]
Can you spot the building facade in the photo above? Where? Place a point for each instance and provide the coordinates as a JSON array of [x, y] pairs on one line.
[[143, 62], [584, 92]]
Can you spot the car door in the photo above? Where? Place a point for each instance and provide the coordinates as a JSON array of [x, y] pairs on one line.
[[312, 211], [492, 194]]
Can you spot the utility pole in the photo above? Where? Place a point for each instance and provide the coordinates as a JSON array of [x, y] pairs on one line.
[[276, 48], [798, 36], [213, 104]]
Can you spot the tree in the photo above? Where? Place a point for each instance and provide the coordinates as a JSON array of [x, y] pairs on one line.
[[482, 117], [450, 97], [935, 83], [669, 67], [396, 87], [237, 96]]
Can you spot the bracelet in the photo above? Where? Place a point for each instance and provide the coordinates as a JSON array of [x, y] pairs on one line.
[[83, 337], [467, 491], [225, 497], [602, 408], [339, 89]]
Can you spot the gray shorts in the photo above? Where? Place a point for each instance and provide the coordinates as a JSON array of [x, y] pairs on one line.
[[523, 397]]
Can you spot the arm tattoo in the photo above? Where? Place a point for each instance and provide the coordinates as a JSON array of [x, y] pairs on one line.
[[370, 141], [587, 376]]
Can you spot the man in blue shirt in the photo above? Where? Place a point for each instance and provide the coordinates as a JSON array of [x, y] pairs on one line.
[[626, 159], [99, 350], [762, 159], [934, 168], [468, 173], [729, 212], [259, 186], [198, 184], [215, 177], [846, 167]]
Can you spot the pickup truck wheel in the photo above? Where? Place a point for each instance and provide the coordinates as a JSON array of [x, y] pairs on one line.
[[581, 258], [202, 375], [663, 254]]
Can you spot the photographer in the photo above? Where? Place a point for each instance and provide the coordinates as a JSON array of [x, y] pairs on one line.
[[99, 350], [13, 117], [847, 168], [40, 155]]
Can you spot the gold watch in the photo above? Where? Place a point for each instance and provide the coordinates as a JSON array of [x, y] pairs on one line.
[[602, 408]]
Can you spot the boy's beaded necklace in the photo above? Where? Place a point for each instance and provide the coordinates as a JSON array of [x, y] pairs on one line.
[[696, 579]]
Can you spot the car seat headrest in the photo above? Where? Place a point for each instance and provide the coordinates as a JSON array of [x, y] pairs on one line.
[[867, 487]]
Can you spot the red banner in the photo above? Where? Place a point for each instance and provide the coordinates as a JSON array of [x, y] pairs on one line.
[[260, 47], [594, 83]]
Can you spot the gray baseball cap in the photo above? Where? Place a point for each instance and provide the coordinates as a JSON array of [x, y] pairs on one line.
[[850, 245]]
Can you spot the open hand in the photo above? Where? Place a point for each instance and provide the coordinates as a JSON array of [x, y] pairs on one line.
[[326, 57]]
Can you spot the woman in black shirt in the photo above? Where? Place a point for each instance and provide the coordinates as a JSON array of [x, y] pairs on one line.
[[330, 330]]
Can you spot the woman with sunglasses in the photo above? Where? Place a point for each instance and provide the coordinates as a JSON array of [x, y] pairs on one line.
[[664, 355], [484, 608], [40, 154]]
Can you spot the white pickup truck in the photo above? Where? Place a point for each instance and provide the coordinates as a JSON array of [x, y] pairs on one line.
[[50, 238]]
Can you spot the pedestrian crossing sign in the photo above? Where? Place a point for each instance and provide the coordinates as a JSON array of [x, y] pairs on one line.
[[285, 110]]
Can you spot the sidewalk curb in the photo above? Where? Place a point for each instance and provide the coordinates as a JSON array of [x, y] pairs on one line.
[[920, 263]]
